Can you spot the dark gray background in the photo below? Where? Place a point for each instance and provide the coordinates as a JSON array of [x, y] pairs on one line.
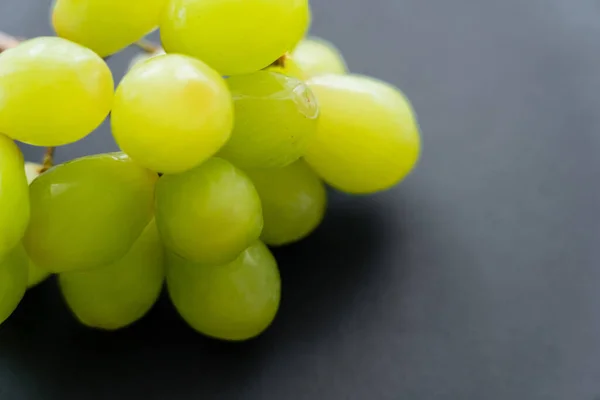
[[477, 278]]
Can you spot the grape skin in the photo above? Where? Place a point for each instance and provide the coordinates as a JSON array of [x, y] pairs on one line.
[[209, 214], [316, 56], [275, 118], [13, 281], [236, 301], [105, 26], [293, 200], [244, 44], [54, 91], [367, 139], [14, 196], [171, 113], [88, 212], [118, 294]]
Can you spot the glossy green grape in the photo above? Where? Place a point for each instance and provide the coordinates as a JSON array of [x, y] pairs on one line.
[[367, 139], [36, 274], [118, 294], [275, 118], [105, 26], [255, 34], [293, 201], [236, 301], [88, 212], [13, 280], [209, 214], [54, 91], [315, 56], [171, 113], [14, 196]]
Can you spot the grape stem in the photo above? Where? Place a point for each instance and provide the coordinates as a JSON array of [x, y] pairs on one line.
[[7, 41], [147, 46], [48, 159], [280, 62]]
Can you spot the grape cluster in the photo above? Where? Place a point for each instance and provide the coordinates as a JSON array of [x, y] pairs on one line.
[[228, 134]]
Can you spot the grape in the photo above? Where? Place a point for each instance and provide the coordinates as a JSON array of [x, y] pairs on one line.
[[13, 280], [209, 214], [105, 26], [367, 139], [234, 37], [236, 301], [116, 295], [88, 212], [171, 113], [14, 196], [293, 200], [275, 118], [289, 68], [315, 56], [36, 274], [54, 91]]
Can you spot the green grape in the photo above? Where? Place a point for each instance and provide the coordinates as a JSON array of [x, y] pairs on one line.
[[54, 91], [368, 137], [116, 295], [36, 274], [13, 280], [14, 196], [275, 118], [209, 214], [315, 56], [88, 212], [105, 26], [289, 68], [235, 301], [293, 201], [171, 113], [234, 37]]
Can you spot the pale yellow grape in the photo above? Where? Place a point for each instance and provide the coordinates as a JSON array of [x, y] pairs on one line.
[[209, 214], [53, 91], [367, 139], [105, 26], [293, 200], [276, 116], [13, 280], [36, 274], [234, 37], [171, 113], [88, 212], [118, 294], [235, 301], [315, 56], [14, 196]]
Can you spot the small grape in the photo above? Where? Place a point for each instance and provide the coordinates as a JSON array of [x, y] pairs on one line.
[[105, 26], [315, 56], [209, 214], [367, 139], [88, 212], [275, 118], [13, 280], [118, 294], [293, 201], [14, 196], [235, 301], [256, 33], [54, 91], [36, 274], [171, 113]]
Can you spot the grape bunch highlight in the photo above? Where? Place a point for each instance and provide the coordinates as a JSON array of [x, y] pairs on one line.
[[229, 132]]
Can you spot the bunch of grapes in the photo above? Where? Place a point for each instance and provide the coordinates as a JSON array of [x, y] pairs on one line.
[[228, 134]]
